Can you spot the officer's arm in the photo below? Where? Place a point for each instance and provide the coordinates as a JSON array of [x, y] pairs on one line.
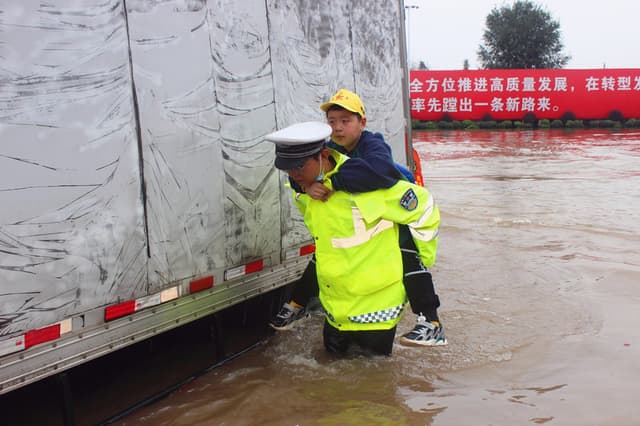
[[415, 207]]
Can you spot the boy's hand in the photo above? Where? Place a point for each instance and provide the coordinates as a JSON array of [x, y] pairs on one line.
[[318, 191]]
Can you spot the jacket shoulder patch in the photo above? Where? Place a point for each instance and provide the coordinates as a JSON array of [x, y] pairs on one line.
[[409, 200]]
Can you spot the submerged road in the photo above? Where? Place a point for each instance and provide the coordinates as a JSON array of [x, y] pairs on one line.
[[538, 273]]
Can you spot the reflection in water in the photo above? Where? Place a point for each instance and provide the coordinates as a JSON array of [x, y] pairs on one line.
[[535, 226]]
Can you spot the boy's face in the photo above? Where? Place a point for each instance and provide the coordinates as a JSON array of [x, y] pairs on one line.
[[346, 127]]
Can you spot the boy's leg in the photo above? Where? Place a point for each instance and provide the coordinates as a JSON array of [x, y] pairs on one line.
[[418, 284], [303, 290], [307, 286]]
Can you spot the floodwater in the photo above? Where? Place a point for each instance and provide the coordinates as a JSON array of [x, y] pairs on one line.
[[539, 275]]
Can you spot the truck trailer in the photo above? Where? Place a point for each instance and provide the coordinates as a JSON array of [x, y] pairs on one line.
[[137, 192]]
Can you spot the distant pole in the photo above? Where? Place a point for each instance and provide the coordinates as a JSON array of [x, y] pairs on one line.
[[408, 8]]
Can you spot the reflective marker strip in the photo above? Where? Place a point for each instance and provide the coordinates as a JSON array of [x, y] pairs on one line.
[[35, 337], [148, 301], [54, 331], [169, 294], [119, 310], [201, 284], [65, 326], [302, 251], [11, 345], [131, 306], [249, 268], [253, 267], [41, 335]]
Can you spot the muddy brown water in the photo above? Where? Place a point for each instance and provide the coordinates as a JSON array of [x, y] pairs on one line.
[[538, 271]]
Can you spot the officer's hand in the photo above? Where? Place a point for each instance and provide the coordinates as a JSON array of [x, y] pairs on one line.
[[318, 191]]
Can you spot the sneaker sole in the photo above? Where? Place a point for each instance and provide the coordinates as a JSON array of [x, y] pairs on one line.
[[423, 343], [288, 326], [283, 328]]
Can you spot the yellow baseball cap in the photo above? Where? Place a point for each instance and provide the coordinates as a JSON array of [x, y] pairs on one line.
[[347, 100]]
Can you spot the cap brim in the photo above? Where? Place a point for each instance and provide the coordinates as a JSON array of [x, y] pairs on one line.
[[290, 156], [325, 107], [289, 163]]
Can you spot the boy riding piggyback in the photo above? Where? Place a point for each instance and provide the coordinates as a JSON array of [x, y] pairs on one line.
[[370, 167]]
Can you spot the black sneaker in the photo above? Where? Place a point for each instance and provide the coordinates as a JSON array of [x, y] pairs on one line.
[[287, 317], [425, 333]]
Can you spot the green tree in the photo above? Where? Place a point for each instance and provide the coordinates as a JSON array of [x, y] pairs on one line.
[[521, 36]]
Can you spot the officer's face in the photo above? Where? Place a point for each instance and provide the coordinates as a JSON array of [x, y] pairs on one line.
[[346, 128], [307, 173]]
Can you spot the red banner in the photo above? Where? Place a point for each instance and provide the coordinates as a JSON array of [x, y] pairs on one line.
[[511, 94]]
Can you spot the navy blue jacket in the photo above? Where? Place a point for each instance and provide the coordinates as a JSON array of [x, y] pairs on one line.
[[370, 165]]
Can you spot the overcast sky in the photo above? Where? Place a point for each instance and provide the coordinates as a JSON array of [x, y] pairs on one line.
[[594, 33]]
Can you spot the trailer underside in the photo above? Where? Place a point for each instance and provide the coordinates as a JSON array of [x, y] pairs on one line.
[[108, 388]]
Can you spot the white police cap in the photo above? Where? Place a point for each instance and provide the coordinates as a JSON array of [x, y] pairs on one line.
[[296, 143], [301, 133]]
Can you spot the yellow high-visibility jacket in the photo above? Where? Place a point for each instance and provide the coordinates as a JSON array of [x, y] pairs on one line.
[[358, 259]]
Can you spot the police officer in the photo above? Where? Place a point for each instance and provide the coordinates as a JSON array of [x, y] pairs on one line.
[[359, 265], [370, 167]]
